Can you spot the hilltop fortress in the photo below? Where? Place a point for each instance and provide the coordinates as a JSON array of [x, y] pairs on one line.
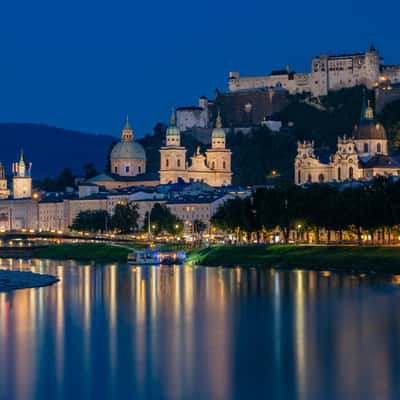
[[328, 72]]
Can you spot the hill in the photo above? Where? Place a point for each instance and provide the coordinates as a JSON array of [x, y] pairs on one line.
[[51, 149]]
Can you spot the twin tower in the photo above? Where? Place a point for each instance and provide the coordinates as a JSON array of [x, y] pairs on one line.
[[212, 167]]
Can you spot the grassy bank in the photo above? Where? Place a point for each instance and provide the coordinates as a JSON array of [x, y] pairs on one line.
[[382, 258], [85, 252]]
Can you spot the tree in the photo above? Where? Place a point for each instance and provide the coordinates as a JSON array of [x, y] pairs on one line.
[[91, 221], [125, 218], [162, 220]]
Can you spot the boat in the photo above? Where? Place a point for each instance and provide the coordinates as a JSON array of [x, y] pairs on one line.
[[155, 257]]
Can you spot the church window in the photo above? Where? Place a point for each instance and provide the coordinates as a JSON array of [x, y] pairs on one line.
[[298, 177], [351, 173], [213, 165], [139, 169], [116, 170], [224, 165], [127, 168], [309, 179], [365, 147], [178, 163], [167, 163], [378, 148], [339, 174], [321, 178]]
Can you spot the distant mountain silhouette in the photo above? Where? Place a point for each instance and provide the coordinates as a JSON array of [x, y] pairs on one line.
[[52, 149]]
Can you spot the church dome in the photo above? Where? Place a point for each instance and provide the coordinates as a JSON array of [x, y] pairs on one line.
[[218, 132], [128, 150], [173, 130], [369, 128]]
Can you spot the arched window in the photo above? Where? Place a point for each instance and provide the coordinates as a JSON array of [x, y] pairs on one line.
[[178, 163], [213, 165], [224, 165], [299, 177], [378, 148], [351, 173], [167, 163], [309, 179], [339, 174], [127, 168], [139, 169], [116, 170], [365, 147], [321, 178]]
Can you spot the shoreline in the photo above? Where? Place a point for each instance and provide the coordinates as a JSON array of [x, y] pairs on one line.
[[14, 280], [351, 259]]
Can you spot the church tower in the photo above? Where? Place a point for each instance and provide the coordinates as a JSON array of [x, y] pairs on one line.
[[172, 155], [22, 180], [219, 157], [4, 192]]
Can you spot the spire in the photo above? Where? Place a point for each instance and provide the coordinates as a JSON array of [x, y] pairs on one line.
[[127, 126], [367, 112], [21, 157], [218, 122], [173, 118], [127, 131]]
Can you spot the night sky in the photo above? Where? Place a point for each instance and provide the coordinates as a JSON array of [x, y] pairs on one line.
[[84, 64]]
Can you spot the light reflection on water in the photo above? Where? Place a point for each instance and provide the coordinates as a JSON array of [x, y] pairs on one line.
[[116, 331]]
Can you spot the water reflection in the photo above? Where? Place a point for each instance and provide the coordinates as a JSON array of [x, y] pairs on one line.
[[114, 331]]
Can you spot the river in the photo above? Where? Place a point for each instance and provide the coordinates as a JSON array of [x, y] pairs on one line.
[[117, 332]]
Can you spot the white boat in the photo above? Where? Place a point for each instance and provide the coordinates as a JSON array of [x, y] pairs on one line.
[[153, 257], [143, 257]]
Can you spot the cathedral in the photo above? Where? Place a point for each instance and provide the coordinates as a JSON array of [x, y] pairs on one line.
[[361, 156], [212, 168]]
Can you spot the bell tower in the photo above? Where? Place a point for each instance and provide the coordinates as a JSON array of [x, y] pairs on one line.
[[4, 192], [219, 157], [22, 180], [172, 155]]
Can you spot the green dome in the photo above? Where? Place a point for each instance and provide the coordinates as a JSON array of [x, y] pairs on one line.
[[173, 131], [218, 133], [128, 150]]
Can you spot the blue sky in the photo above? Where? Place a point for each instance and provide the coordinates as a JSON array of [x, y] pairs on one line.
[[84, 64]]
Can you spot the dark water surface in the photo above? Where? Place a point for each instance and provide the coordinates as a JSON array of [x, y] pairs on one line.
[[121, 332]]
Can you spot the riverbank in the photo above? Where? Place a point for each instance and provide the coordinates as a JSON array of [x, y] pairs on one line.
[[12, 280], [360, 258], [85, 252]]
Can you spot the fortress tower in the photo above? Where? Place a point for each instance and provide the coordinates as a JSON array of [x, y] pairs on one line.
[[22, 180]]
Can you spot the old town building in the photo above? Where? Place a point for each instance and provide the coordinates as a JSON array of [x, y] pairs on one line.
[[363, 155], [213, 167]]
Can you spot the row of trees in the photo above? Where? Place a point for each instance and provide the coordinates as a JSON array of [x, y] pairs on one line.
[[371, 208], [126, 220]]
